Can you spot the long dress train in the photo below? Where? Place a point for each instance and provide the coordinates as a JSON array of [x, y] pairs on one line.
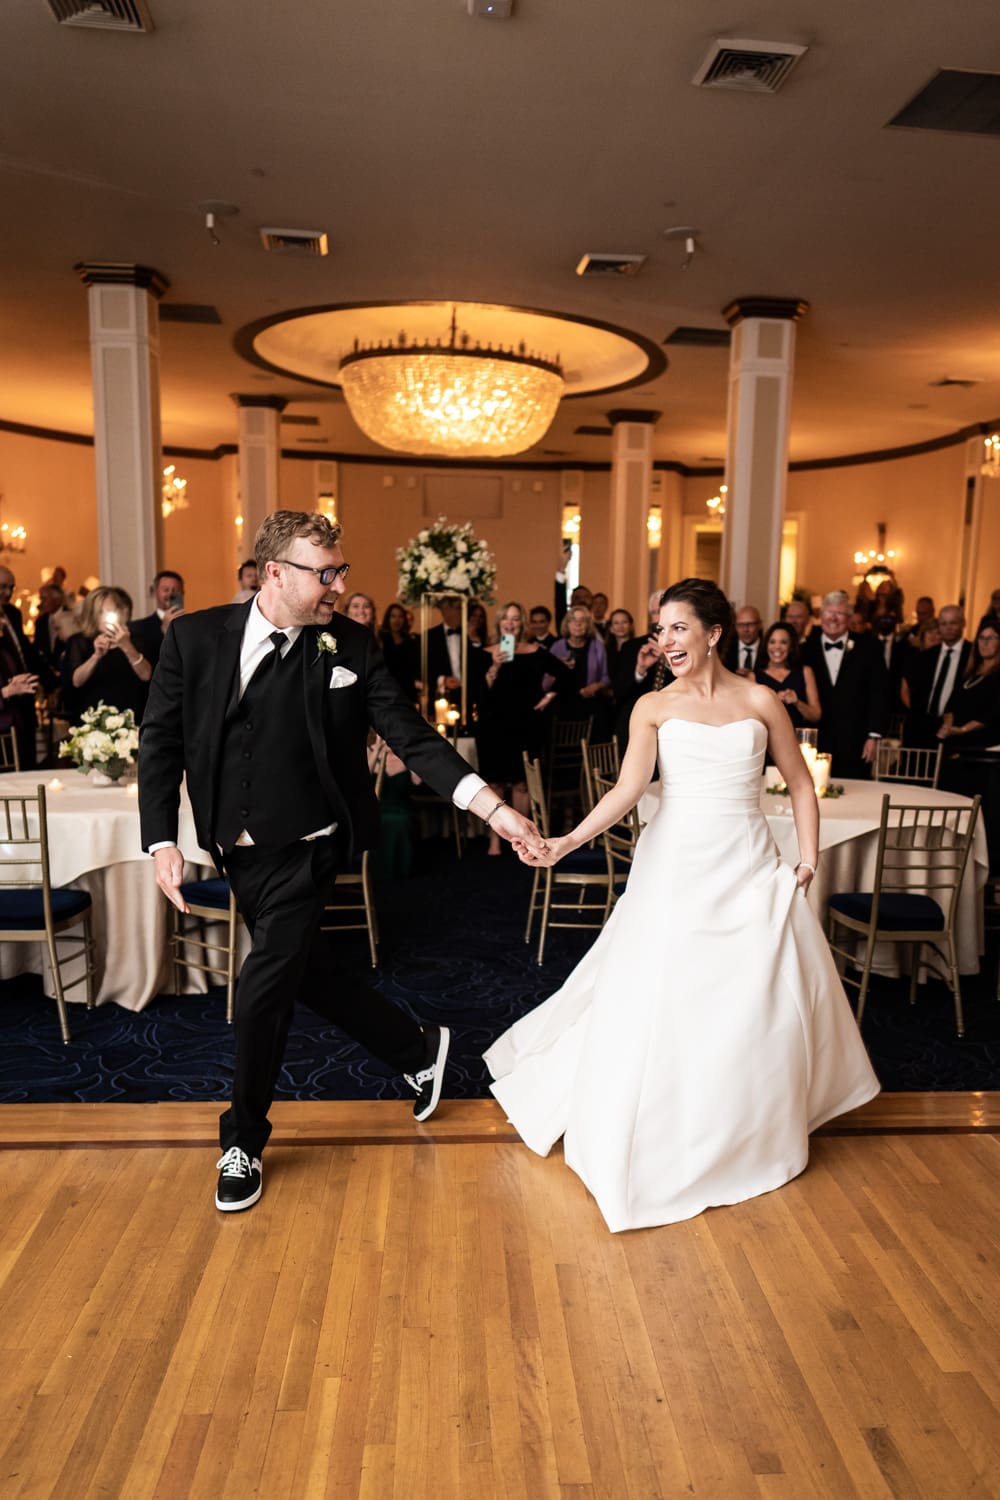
[[706, 1032]]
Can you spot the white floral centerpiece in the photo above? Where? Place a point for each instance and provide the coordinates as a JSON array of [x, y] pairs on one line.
[[445, 559], [106, 741]]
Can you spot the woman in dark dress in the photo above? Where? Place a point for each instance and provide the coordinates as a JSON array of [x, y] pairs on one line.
[[102, 663], [780, 669], [972, 718], [17, 694], [512, 708], [621, 629], [401, 651]]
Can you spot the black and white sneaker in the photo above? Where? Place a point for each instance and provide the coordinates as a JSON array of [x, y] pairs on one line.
[[430, 1077], [239, 1181]]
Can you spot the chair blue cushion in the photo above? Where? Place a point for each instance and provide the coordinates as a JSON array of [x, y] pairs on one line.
[[897, 910], [213, 893], [22, 907], [584, 862]]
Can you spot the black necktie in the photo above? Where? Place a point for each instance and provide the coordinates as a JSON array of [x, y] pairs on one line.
[[747, 658], [267, 664], [934, 706], [833, 645]]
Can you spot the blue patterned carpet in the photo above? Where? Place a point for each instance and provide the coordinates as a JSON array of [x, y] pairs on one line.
[[452, 951]]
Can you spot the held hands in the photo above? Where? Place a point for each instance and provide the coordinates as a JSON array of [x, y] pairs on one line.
[[517, 830], [169, 874], [541, 858]]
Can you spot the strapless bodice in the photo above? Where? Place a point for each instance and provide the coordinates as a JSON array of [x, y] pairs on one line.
[[719, 763]]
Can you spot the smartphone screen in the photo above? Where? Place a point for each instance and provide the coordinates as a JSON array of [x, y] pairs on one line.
[[506, 647]]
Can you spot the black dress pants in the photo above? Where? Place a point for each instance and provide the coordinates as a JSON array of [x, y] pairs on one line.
[[281, 894]]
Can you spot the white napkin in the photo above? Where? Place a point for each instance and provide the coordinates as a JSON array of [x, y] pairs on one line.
[[342, 677]]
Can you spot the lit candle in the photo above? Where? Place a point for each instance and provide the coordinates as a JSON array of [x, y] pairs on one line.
[[132, 790], [441, 706], [821, 774], [55, 785]]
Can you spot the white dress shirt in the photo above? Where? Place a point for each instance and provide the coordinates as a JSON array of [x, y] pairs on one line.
[[834, 658]]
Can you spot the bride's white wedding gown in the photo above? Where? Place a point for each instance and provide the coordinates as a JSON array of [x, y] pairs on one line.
[[706, 1033]]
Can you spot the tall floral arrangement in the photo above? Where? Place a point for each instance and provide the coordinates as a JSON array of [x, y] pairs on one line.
[[105, 740], [446, 559]]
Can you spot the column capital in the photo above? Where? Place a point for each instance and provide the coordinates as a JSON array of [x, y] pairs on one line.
[[792, 308], [627, 414], [269, 403], [121, 273]]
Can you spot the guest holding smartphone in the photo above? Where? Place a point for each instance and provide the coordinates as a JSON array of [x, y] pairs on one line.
[[102, 662]]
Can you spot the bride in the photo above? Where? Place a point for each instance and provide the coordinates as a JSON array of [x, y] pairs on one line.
[[706, 1033]]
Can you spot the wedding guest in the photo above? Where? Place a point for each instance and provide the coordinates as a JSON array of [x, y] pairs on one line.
[[621, 630], [360, 607], [540, 624], [853, 689], [401, 651], [799, 617], [779, 667], [518, 689], [744, 652], [992, 615], [17, 695], [642, 669], [8, 584], [581, 594], [932, 675], [248, 582], [444, 650], [582, 648], [103, 662], [599, 610], [895, 653], [476, 624], [148, 631], [923, 611], [972, 717], [49, 641]]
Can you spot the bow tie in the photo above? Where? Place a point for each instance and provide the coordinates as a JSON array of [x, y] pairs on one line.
[[833, 645], [456, 631]]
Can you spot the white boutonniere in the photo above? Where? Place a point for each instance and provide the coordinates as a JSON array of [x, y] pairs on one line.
[[850, 644], [326, 642]]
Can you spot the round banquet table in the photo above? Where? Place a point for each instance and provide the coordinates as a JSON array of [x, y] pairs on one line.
[[848, 844], [94, 846]]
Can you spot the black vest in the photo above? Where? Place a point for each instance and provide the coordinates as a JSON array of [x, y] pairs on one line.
[[268, 783]]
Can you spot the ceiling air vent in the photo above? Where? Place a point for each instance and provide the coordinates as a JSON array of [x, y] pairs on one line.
[[965, 385], [966, 102], [188, 312], [295, 241], [699, 338], [105, 15], [594, 431], [753, 67], [593, 264]]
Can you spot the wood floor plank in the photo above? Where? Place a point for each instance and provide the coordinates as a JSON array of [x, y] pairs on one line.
[[453, 1319]]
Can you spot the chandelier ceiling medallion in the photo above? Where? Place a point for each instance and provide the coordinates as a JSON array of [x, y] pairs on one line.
[[451, 399]]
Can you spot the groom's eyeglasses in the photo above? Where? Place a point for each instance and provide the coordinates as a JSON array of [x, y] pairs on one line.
[[325, 575]]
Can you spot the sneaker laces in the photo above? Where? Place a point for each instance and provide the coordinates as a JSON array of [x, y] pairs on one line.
[[234, 1163], [417, 1080]]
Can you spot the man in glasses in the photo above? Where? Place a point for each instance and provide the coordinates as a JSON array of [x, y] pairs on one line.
[[265, 707]]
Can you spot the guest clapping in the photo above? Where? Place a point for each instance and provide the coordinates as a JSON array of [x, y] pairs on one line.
[[520, 685], [779, 667], [103, 662]]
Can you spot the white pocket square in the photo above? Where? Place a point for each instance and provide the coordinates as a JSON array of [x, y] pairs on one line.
[[342, 677]]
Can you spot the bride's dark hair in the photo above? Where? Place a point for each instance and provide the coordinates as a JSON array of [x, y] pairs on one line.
[[707, 601]]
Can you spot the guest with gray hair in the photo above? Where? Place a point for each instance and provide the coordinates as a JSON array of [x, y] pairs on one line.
[[853, 688]]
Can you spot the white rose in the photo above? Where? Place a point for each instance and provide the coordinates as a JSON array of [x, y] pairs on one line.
[[458, 578], [114, 721], [423, 536]]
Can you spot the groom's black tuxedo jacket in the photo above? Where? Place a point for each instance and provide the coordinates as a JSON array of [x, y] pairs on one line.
[[183, 725]]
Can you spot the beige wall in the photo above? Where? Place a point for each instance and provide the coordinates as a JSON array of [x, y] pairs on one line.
[[48, 487]]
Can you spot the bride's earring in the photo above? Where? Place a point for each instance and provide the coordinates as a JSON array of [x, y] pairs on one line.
[[709, 650]]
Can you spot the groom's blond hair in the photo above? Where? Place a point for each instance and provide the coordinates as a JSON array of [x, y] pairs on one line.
[[283, 526]]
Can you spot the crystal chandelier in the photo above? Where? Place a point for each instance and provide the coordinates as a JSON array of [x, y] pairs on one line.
[[450, 400], [717, 504], [991, 462], [12, 538], [174, 491]]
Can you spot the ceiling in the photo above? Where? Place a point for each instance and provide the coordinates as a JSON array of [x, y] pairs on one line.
[[448, 157]]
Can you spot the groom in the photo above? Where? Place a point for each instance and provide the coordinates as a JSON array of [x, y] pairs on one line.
[[265, 707]]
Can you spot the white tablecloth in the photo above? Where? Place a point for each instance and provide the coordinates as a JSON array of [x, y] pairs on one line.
[[94, 846], [848, 841]]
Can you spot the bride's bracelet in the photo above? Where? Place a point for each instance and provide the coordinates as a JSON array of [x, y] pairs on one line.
[[493, 811], [803, 864]]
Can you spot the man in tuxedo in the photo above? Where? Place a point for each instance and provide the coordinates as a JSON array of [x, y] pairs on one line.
[[540, 623], [168, 602], [853, 689], [444, 651], [266, 711], [932, 677], [743, 653]]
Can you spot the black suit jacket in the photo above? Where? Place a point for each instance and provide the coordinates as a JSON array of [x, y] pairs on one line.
[[182, 728], [920, 671], [858, 704], [147, 633], [733, 658]]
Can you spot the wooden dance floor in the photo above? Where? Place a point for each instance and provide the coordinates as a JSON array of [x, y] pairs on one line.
[[435, 1312]]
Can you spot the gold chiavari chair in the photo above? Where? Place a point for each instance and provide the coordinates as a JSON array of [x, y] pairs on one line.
[[10, 760], [895, 762], [603, 760], [581, 873], [353, 906], [212, 902]]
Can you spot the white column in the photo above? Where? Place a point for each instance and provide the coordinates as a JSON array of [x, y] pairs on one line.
[[259, 460], [125, 364], [761, 362], [631, 485]]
